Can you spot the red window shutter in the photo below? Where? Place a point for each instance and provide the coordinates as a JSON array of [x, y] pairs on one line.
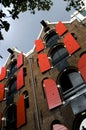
[[59, 127], [39, 45], [52, 93], [1, 92], [82, 66], [21, 112], [60, 28], [3, 73], [43, 62], [20, 79], [71, 44], [20, 60]]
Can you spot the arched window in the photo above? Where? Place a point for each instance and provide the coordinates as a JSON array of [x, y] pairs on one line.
[[12, 67], [10, 118], [51, 38], [59, 56], [11, 85], [80, 122], [71, 82], [56, 125]]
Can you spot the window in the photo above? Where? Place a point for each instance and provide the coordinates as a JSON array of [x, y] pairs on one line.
[[80, 122], [12, 85], [10, 115], [25, 71], [78, 104], [26, 99], [71, 82], [12, 90], [51, 38], [83, 13], [58, 55], [12, 67]]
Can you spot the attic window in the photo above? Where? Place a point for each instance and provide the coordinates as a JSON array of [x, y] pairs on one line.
[[51, 38], [59, 56]]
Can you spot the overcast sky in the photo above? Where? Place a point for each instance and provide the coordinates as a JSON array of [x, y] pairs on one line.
[[25, 30]]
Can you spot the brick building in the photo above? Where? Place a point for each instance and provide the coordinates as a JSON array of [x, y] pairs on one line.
[[45, 89]]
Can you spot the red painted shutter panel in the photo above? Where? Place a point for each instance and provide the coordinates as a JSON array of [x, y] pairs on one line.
[[43, 62], [60, 28], [1, 92], [21, 112], [20, 60], [20, 79], [82, 66], [71, 44], [59, 127], [52, 93], [3, 73], [39, 45]]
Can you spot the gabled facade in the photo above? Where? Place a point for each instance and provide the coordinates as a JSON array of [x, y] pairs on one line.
[[46, 89]]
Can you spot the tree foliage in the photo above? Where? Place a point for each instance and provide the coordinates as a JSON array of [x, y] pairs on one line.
[[15, 7], [76, 4]]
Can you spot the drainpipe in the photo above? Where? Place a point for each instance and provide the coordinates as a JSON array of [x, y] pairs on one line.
[[34, 93]]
